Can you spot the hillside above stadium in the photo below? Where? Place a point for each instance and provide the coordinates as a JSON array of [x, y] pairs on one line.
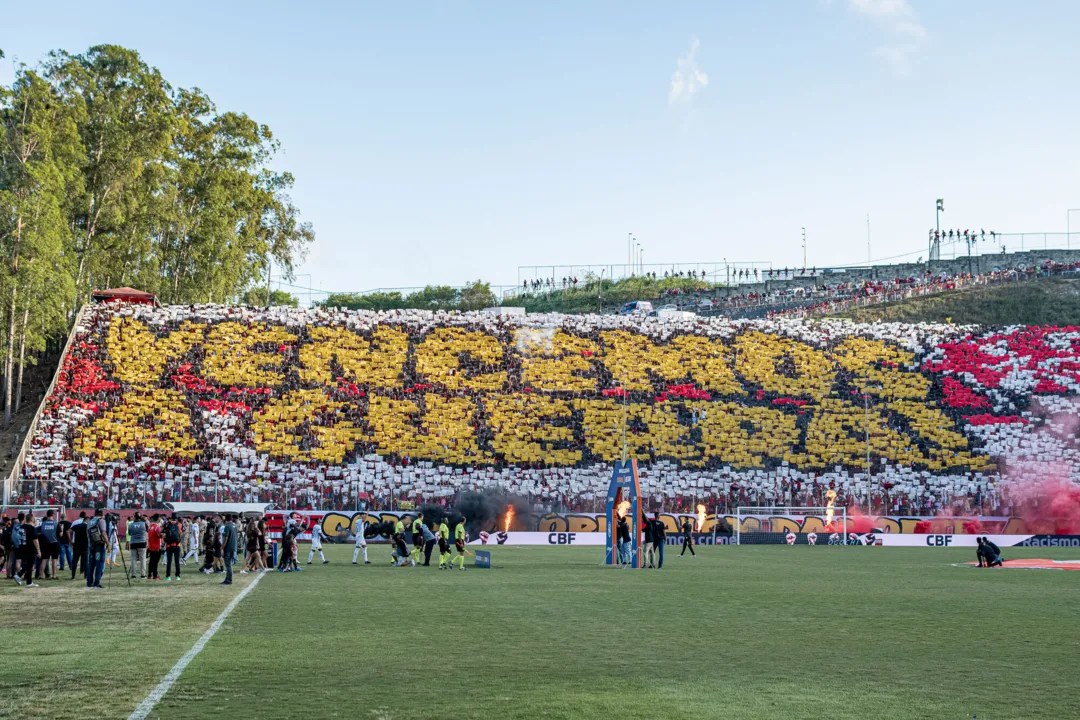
[[1049, 301]]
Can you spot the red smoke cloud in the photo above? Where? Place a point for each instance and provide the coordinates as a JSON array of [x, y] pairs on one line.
[[1051, 506], [973, 527], [1042, 494], [859, 523]]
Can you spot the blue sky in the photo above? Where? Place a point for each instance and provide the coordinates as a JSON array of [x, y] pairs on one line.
[[443, 142]]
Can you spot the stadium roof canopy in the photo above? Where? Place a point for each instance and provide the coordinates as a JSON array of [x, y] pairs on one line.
[[212, 508], [124, 294]]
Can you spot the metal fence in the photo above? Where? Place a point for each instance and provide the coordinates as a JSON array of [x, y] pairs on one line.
[[560, 277], [999, 243], [532, 279]]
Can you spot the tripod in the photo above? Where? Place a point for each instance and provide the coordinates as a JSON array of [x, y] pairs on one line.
[[123, 564]]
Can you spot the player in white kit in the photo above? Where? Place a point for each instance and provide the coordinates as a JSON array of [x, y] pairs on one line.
[[317, 536], [361, 543], [193, 546]]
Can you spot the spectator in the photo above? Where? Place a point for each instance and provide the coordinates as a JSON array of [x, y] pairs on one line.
[[228, 548], [31, 550], [49, 544], [153, 546], [6, 554], [173, 542], [623, 538], [80, 544], [63, 529], [97, 541], [650, 548], [659, 534], [137, 540]]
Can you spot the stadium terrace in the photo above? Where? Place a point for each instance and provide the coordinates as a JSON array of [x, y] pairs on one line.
[[329, 408]]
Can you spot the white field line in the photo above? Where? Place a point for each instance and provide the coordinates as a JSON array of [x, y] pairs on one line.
[[151, 700]]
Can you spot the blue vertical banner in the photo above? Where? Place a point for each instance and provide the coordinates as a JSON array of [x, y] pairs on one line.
[[624, 501]]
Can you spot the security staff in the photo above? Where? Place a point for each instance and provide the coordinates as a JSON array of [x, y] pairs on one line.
[[687, 538]]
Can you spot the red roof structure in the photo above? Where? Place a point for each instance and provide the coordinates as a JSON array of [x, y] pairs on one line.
[[124, 294]]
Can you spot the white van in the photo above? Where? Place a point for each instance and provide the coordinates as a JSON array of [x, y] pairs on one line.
[[637, 307]]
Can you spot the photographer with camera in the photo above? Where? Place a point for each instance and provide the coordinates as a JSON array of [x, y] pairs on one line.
[[97, 540]]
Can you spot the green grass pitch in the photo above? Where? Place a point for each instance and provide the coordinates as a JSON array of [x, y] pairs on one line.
[[751, 632]]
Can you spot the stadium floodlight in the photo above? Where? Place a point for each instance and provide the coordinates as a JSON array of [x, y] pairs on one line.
[[935, 246], [822, 525]]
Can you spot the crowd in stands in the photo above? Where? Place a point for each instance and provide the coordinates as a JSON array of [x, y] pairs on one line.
[[840, 294], [329, 408], [748, 295], [836, 299]]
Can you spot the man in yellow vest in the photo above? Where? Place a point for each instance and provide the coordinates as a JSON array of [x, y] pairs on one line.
[[444, 546], [459, 543]]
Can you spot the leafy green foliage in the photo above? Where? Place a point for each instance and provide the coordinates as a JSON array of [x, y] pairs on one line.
[[256, 297], [474, 296], [109, 176], [583, 298]]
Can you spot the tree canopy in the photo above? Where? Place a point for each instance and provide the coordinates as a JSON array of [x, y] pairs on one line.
[[474, 296], [256, 297], [110, 176]]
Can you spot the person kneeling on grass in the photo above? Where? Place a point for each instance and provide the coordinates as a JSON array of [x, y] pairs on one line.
[[987, 553], [400, 553]]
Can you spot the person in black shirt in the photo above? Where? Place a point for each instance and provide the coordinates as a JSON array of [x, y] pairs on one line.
[[623, 539], [49, 544], [79, 544], [6, 554], [63, 532], [687, 538], [991, 553], [30, 551], [647, 528], [659, 535], [209, 540]]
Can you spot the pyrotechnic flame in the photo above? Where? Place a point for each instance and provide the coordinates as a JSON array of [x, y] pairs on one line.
[[829, 511], [509, 518], [623, 508], [700, 517]]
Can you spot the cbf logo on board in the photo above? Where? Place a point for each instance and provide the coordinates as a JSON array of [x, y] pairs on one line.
[[561, 538]]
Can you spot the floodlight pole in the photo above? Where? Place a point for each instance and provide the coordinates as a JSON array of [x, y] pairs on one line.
[[624, 425], [866, 406], [1068, 228]]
